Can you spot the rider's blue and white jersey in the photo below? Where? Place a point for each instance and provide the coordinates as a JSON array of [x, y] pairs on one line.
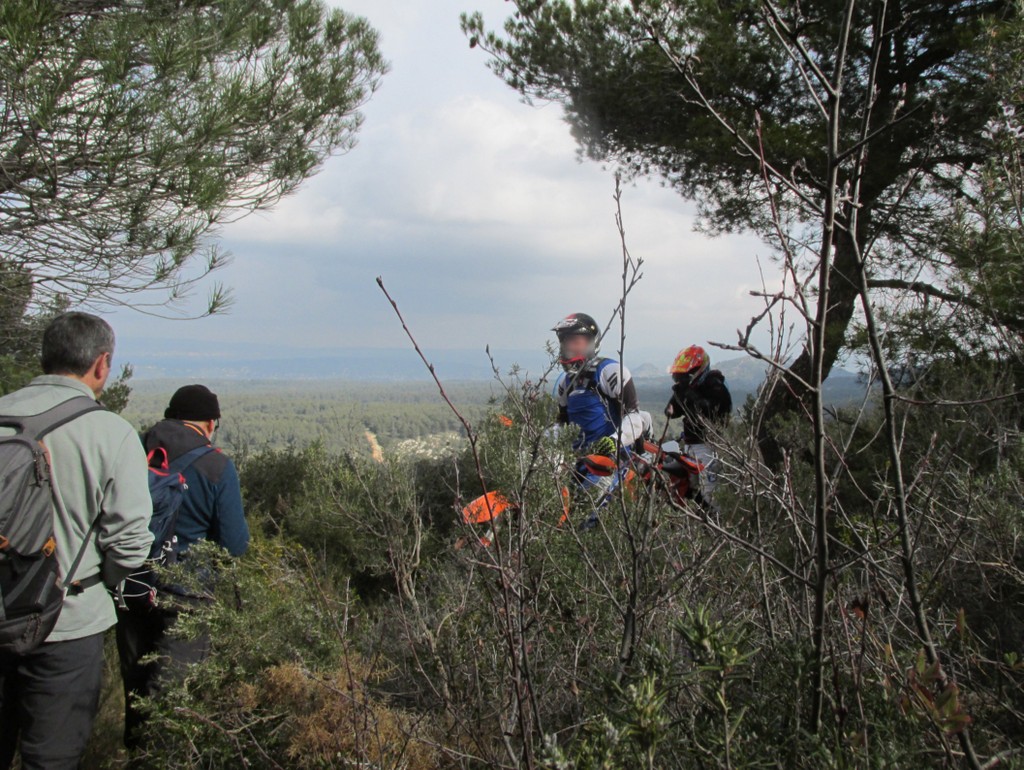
[[593, 400]]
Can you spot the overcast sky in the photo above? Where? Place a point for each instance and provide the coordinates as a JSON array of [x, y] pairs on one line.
[[476, 211]]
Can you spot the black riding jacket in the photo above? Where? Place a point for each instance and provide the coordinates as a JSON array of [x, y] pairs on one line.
[[708, 403]]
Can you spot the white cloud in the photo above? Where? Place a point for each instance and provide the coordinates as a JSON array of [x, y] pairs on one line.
[[483, 223]]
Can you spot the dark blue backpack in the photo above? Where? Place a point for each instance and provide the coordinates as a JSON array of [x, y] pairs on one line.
[[167, 489]]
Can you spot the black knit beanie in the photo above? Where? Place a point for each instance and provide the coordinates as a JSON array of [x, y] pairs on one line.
[[193, 402]]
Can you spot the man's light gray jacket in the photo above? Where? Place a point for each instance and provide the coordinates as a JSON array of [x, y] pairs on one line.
[[99, 469]]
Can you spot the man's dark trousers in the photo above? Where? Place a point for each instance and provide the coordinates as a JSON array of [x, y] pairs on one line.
[[49, 698], [142, 633]]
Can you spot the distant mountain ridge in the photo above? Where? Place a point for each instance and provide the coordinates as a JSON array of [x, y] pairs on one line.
[[253, 362]]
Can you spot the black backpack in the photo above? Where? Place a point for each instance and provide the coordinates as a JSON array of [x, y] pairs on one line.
[[31, 588], [167, 490]]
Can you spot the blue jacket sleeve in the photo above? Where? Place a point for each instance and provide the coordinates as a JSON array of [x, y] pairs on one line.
[[232, 530]]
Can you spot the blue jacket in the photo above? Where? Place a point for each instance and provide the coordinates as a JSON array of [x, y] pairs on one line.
[[212, 508]]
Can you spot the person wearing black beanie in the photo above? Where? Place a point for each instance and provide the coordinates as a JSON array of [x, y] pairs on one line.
[[193, 403], [210, 510]]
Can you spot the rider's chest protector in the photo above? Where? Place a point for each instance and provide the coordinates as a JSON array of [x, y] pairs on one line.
[[596, 415]]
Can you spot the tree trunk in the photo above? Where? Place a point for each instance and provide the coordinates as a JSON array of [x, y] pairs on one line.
[[790, 396]]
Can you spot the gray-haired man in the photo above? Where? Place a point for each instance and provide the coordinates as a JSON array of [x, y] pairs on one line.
[[49, 697]]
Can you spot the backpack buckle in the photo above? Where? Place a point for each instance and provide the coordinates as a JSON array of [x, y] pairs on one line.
[[79, 586]]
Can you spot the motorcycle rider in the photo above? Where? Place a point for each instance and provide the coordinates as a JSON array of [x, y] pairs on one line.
[[597, 394], [702, 399]]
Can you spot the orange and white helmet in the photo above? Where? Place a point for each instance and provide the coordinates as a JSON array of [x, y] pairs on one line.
[[693, 361]]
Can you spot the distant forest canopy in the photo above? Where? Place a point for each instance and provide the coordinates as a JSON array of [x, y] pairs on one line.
[[275, 414], [262, 414]]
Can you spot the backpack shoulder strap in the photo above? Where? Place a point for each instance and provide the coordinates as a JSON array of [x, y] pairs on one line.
[[40, 425], [601, 364], [591, 376], [69, 582], [588, 379], [182, 462]]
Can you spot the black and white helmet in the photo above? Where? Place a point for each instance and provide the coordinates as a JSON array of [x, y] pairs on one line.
[[576, 324]]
